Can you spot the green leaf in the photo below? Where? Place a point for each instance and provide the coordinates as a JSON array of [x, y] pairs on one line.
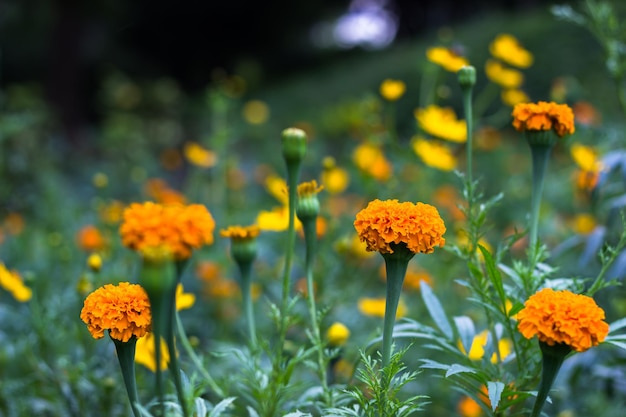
[[297, 414], [616, 325], [465, 328], [221, 407], [616, 343], [436, 310], [458, 369], [495, 390], [493, 273]]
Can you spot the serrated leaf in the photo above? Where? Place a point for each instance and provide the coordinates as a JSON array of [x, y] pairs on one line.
[[465, 328], [495, 390], [435, 310], [458, 369], [221, 407], [200, 407]]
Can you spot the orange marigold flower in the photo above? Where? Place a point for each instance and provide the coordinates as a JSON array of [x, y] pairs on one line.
[[90, 239], [123, 310], [178, 228], [241, 232], [544, 116], [563, 317], [383, 223]]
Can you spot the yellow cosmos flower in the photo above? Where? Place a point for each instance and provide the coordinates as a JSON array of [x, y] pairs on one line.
[[585, 157], [12, 282], [442, 123], [385, 223], [434, 154], [508, 49], [277, 187], [123, 310], [544, 116], [256, 112], [334, 179], [511, 97], [392, 90], [507, 78], [199, 156], [446, 58], [370, 159], [375, 307], [477, 350], [144, 353], [562, 317]]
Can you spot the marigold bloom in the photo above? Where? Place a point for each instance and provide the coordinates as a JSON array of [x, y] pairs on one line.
[[562, 317], [543, 116], [123, 310], [446, 58], [375, 307], [507, 78], [241, 232], [178, 228], [442, 123], [12, 282], [435, 155], [383, 223], [392, 90], [199, 156], [507, 48], [90, 239]]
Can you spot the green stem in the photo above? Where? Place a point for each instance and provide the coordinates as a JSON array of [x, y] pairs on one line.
[[396, 265], [467, 107], [245, 269], [184, 340], [171, 346], [126, 358], [310, 236], [552, 359], [540, 155]]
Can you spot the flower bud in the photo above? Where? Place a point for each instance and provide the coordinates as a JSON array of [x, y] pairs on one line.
[[293, 144], [467, 77], [337, 334]]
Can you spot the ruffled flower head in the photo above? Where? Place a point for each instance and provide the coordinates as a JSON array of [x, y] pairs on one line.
[[562, 317], [123, 310], [383, 223], [543, 116], [178, 228]]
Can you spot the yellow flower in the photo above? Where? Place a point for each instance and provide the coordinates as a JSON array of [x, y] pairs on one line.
[[277, 187], [199, 156], [144, 353], [12, 282], [468, 407], [275, 220], [477, 350], [123, 310], [383, 223], [507, 78], [112, 212], [586, 157], [392, 90], [241, 232], [442, 123], [434, 154], [184, 300], [375, 307], [543, 116], [513, 96], [507, 48], [446, 58], [178, 228], [562, 317], [337, 334], [584, 223], [370, 159], [334, 179], [94, 262], [256, 112]]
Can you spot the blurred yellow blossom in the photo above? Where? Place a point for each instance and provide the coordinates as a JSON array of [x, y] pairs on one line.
[[508, 49], [100, 180], [370, 159], [468, 407], [477, 350], [435, 155], [144, 353], [392, 90], [111, 213], [334, 179], [197, 155], [442, 123], [13, 283], [585, 157], [277, 187], [184, 300], [375, 307], [337, 334], [446, 58], [507, 78], [514, 96], [94, 262], [256, 112], [584, 223]]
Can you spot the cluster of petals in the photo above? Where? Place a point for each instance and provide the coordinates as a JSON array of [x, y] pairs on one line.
[[241, 232], [123, 310], [543, 116], [178, 228], [507, 48], [562, 317], [446, 58], [383, 223], [442, 123], [434, 154]]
